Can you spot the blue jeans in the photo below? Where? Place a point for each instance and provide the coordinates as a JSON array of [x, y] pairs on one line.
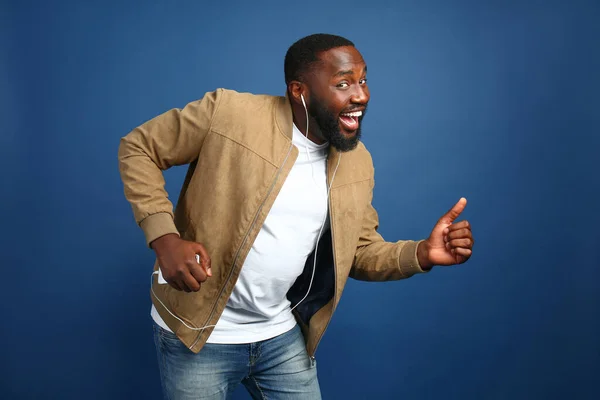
[[277, 368]]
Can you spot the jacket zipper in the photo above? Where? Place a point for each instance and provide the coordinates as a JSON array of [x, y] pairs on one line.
[[246, 238], [312, 356]]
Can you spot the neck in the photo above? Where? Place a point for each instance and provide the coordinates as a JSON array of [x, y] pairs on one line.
[[299, 114]]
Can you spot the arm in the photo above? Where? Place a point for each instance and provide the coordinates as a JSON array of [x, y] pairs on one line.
[[449, 243], [173, 138], [378, 260]]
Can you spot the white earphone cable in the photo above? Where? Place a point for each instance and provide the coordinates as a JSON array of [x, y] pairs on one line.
[[306, 133]]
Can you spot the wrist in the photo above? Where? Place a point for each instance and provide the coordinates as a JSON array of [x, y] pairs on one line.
[[163, 241], [423, 255]]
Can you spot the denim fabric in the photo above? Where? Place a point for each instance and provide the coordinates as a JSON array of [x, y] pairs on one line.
[[277, 368]]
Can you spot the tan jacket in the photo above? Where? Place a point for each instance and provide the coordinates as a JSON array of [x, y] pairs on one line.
[[239, 150]]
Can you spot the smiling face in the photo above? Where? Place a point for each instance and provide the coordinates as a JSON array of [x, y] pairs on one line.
[[338, 96]]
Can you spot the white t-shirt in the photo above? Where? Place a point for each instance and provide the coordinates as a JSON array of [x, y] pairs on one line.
[[258, 308]]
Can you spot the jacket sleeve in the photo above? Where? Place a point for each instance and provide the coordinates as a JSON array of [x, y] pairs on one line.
[[378, 260], [172, 138]]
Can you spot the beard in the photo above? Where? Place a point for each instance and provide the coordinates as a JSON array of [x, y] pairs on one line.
[[329, 126]]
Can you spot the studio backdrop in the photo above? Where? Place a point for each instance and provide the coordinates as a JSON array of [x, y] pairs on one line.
[[496, 101]]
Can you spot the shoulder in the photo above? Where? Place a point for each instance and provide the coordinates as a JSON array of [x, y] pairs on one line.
[[227, 100], [246, 118], [228, 108], [363, 152], [239, 102], [361, 156], [355, 166]]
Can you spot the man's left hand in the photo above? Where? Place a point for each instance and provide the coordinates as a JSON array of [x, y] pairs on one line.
[[450, 243]]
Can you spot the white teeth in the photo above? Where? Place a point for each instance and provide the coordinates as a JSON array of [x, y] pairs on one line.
[[353, 114]]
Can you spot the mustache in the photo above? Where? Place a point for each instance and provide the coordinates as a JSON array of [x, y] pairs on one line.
[[357, 108]]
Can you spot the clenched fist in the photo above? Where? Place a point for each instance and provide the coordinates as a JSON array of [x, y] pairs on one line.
[[177, 261]]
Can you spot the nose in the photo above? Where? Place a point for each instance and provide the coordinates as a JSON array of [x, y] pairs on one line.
[[360, 95]]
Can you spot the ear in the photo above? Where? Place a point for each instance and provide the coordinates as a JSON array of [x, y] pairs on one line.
[[296, 89]]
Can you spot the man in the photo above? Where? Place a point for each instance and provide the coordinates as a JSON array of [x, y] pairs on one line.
[[274, 215]]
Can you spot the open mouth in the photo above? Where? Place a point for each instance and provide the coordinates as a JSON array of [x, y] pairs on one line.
[[350, 120]]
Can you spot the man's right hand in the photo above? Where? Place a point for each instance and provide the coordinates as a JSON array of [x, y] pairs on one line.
[[177, 261]]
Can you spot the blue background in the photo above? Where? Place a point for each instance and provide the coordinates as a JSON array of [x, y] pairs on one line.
[[497, 101]]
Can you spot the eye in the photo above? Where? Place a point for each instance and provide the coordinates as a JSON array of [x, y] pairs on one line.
[[342, 85], [363, 81]]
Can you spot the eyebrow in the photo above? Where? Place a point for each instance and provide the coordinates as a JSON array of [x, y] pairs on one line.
[[348, 72]]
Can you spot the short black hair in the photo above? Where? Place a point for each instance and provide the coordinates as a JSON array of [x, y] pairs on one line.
[[302, 54]]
